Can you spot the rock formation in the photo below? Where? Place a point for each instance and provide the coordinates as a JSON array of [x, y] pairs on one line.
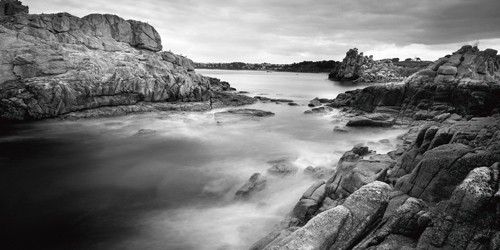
[[360, 68], [54, 64], [441, 185]]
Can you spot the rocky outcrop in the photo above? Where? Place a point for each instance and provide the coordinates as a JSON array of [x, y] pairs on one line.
[[340, 227], [444, 175], [359, 68], [55, 64], [467, 82], [12, 7]]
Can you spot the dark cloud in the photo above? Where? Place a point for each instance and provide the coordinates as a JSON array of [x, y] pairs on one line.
[[296, 30]]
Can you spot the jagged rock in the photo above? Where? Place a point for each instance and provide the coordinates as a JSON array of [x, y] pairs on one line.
[[359, 68], [12, 7], [409, 220], [55, 64], [474, 89], [341, 226], [353, 172], [469, 209], [256, 183]]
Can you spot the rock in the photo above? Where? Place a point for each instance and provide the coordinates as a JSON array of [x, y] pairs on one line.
[[441, 117], [309, 202], [56, 64], [314, 102], [283, 169], [459, 222], [341, 226], [245, 112], [447, 70], [318, 172], [360, 150], [293, 104], [341, 129], [359, 68], [371, 120], [354, 172], [472, 90], [384, 141], [146, 132], [12, 7], [256, 183]]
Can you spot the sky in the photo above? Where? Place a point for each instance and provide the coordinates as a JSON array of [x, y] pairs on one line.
[[286, 31]]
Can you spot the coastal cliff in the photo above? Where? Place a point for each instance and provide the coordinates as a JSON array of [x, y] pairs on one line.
[[439, 189], [55, 64]]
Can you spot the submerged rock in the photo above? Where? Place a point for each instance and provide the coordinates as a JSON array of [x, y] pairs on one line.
[[245, 113], [256, 183], [283, 169]]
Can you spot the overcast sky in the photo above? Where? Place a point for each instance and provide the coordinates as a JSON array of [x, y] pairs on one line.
[[285, 31]]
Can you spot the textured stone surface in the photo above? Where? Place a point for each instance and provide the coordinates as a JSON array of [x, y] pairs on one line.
[[473, 89], [359, 68], [55, 64], [340, 227]]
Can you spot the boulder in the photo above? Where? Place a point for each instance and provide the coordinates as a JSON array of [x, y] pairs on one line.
[[314, 102], [353, 174], [256, 183]]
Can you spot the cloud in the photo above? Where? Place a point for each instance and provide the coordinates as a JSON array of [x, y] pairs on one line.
[[284, 31]]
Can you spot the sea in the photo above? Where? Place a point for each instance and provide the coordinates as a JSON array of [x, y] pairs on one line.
[[100, 184]]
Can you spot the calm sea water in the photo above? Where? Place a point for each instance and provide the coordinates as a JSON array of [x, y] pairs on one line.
[[95, 184]]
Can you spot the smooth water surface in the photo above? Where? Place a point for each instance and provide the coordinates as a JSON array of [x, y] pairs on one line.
[[96, 184]]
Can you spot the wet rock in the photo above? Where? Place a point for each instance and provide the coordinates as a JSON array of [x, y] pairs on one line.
[[314, 102], [283, 169], [146, 132], [318, 172], [245, 112], [309, 202], [341, 129], [256, 183], [371, 120], [293, 104]]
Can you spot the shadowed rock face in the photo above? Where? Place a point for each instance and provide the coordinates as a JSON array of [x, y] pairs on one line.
[[53, 64]]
